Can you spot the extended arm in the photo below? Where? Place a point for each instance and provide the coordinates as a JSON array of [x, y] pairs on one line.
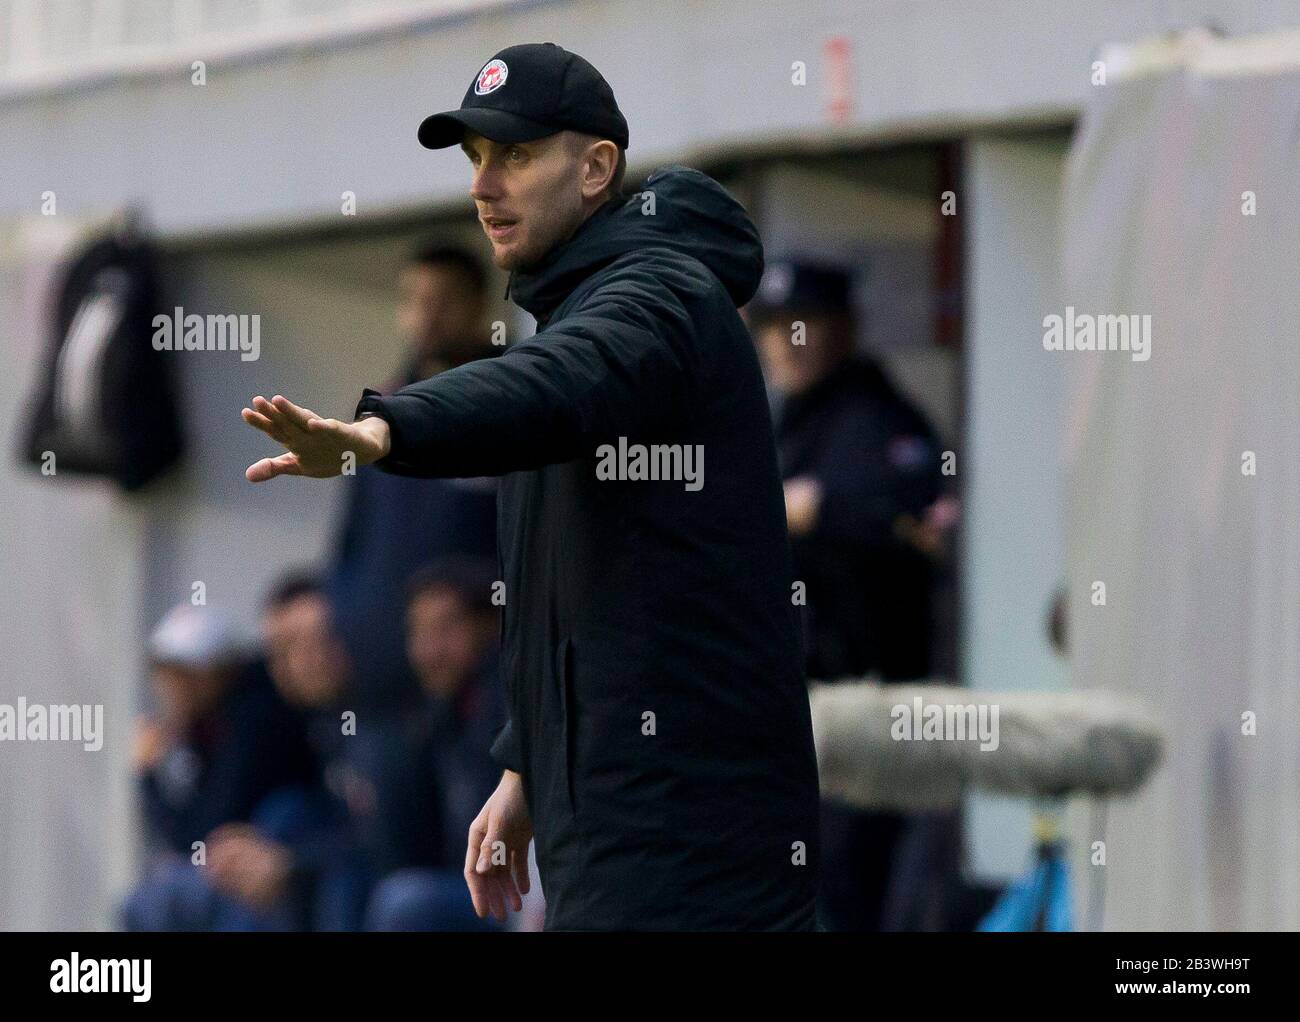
[[624, 362]]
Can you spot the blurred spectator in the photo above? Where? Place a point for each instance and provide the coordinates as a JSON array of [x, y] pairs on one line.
[[861, 471], [220, 748], [452, 634], [308, 863], [393, 524], [861, 465]]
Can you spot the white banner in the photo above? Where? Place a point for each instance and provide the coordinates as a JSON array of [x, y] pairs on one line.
[[1182, 204]]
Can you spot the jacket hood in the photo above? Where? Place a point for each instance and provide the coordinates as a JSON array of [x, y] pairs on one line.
[[693, 214]]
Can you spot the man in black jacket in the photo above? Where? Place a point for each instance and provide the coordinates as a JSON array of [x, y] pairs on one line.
[[659, 741]]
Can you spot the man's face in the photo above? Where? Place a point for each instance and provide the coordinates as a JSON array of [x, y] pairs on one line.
[[528, 194], [793, 368], [444, 640], [186, 694], [438, 313], [306, 659]]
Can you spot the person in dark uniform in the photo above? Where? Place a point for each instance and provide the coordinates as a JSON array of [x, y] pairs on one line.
[[861, 466], [659, 741], [395, 524]]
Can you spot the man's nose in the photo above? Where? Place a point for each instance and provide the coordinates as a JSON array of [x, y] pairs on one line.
[[486, 185]]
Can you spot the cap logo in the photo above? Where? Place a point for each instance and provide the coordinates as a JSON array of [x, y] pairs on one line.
[[491, 78]]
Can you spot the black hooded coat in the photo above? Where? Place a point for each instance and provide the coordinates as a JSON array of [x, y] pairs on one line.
[[651, 649]]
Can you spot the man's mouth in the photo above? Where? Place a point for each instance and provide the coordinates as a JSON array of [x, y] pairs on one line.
[[498, 227]]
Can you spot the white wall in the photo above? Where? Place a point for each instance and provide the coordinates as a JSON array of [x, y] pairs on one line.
[[73, 582], [1012, 480]]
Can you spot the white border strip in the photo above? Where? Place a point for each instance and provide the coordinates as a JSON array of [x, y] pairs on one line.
[[1204, 53], [349, 27]]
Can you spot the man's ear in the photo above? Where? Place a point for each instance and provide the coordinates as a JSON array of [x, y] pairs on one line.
[[598, 168]]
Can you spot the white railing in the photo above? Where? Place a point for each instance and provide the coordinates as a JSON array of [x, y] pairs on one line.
[[49, 41]]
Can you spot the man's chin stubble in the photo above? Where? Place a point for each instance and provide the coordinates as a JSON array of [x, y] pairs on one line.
[[514, 262]]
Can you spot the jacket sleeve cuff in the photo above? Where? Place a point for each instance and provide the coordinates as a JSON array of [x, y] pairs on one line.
[[505, 749], [372, 404]]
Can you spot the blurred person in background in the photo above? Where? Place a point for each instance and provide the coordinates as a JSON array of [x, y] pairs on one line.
[[860, 465], [219, 748], [394, 524], [452, 630], [861, 470], [310, 865]]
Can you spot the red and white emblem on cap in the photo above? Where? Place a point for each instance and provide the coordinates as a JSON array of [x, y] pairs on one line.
[[491, 78]]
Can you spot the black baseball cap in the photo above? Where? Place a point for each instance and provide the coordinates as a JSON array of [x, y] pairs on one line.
[[796, 283], [527, 92]]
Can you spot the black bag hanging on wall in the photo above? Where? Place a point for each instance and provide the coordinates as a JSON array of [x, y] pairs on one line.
[[106, 403]]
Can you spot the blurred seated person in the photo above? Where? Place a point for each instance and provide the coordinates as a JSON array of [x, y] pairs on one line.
[[220, 748], [452, 631], [392, 779], [317, 866]]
